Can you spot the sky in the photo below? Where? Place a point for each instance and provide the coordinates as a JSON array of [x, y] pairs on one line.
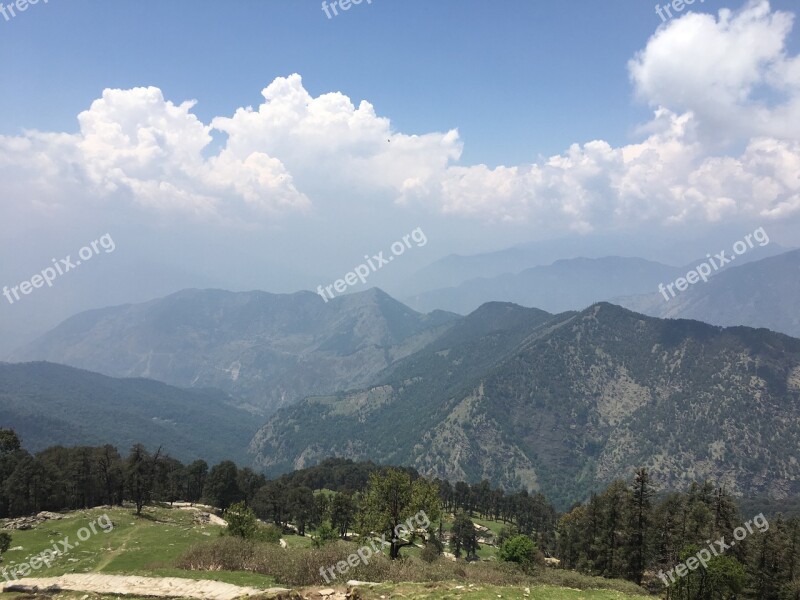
[[262, 145]]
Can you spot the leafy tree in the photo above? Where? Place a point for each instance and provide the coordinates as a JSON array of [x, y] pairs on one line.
[[506, 532], [249, 483], [271, 503], [196, 474], [343, 512], [302, 507], [393, 501], [222, 485], [723, 579], [140, 475], [170, 480], [9, 441], [108, 467], [30, 485], [463, 536], [242, 521]]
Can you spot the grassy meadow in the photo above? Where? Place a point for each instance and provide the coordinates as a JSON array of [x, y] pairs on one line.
[[158, 542]]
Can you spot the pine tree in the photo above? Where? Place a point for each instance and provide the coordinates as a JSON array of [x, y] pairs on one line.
[[641, 514]]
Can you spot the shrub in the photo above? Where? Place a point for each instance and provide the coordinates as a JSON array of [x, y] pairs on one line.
[[242, 521], [506, 533], [301, 567], [5, 542], [519, 549], [430, 553], [324, 534], [270, 534]]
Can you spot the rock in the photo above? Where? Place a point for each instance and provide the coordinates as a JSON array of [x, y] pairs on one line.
[[49, 516], [326, 592], [25, 523], [355, 583], [32, 589]]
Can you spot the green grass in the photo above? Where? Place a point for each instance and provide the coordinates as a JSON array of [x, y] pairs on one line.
[[494, 526], [146, 545], [453, 591], [299, 541]]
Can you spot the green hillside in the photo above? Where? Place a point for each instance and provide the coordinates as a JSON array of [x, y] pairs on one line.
[[568, 404], [50, 404]]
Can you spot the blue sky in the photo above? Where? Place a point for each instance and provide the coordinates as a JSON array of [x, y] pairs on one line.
[[488, 124], [517, 78]]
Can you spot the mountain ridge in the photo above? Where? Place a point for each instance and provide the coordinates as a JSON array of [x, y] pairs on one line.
[[266, 349], [583, 398]]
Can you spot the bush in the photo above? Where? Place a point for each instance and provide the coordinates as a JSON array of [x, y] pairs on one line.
[[295, 567], [430, 553], [5, 542], [270, 534], [324, 534], [242, 521], [506, 533], [519, 549]]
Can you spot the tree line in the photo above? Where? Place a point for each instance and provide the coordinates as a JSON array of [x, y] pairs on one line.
[[626, 531], [629, 532]]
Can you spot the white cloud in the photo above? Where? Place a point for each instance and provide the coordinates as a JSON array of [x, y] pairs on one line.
[[732, 72], [715, 83], [135, 148]]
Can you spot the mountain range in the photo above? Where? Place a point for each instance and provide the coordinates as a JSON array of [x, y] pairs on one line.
[[542, 275], [50, 405], [557, 401], [267, 350], [563, 403], [765, 293]]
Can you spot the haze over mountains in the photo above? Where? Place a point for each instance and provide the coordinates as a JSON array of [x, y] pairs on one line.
[[765, 293], [268, 350], [524, 397], [565, 284]]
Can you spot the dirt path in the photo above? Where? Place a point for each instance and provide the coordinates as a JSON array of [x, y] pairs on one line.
[[109, 555], [163, 587]]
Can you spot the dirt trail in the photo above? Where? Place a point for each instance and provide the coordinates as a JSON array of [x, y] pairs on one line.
[[163, 587]]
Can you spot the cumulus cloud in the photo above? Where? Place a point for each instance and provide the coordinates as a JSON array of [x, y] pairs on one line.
[[733, 72], [329, 137], [136, 148], [724, 143]]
